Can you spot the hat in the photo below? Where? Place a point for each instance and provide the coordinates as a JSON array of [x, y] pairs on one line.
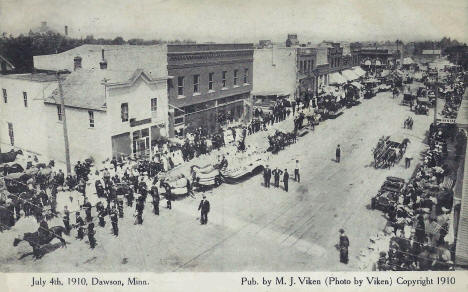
[[341, 230], [204, 197]]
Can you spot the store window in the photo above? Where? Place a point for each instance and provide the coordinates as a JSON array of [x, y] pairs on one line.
[[124, 112]]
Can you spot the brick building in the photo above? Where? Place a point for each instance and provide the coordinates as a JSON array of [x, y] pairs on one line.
[[211, 83]]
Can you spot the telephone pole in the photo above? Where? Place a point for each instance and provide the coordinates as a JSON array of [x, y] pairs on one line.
[[64, 124], [436, 97]]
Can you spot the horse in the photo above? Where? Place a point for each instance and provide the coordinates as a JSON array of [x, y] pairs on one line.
[[36, 241], [9, 156]]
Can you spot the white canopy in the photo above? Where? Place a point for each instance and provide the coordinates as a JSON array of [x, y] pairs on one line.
[[408, 61], [336, 78], [358, 71], [349, 75]]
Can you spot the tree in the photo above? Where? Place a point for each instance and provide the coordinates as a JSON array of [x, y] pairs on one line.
[[118, 41]]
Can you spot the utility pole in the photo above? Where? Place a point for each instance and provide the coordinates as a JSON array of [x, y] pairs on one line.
[[64, 124], [436, 88]]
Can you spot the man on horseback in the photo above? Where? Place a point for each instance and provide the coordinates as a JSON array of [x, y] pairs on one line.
[[43, 230]]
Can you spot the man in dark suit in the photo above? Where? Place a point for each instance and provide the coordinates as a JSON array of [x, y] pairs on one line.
[[338, 153], [286, 180], [204, 209], [79, 224], [266, 179], [344, 244], [276, 173]]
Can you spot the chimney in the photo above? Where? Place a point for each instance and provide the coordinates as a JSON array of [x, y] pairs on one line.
[[103, 63], [66, 30], [77, 63]]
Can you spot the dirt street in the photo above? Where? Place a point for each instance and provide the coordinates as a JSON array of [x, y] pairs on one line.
[[253, 228]]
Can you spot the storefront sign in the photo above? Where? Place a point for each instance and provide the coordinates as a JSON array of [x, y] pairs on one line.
[[134, 123], [446, 121]]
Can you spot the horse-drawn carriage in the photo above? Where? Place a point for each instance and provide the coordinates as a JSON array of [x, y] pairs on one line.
[[371, 88], [421, 109], [174, 186], [17, 182], [236, 174], [280, 140], [388, 193], [206, 176], [388, 152], [408, 98]]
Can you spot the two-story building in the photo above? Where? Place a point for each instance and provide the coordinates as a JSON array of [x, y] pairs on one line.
[[22, 111], [112, 106], [210, 85]]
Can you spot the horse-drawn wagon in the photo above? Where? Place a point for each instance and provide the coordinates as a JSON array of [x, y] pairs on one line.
[[236, 174], [388, 193], [206, 176], [280, 140], [388, 152]]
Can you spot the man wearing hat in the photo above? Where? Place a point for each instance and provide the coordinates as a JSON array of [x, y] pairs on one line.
[[87, 207], [204, 209], [338, 153], [155, 195], [91, 233], [66, 219], [344, 244], [286, 179], [79, 224], [43, 230], [277, 173], [114, 220]]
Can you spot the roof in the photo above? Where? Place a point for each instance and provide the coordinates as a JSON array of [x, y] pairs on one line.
[[34, 77], [85, 88], [431, 52], [88, 48]]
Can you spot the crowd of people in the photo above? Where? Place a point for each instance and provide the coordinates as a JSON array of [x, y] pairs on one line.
[[419, 218]]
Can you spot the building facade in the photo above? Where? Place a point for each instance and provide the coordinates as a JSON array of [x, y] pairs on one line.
[[274, 72], [210, 85], [284, 71], [109, 113], [306, 64], [22, 111]]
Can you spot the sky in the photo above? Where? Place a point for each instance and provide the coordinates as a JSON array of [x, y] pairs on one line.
[[243, 20]]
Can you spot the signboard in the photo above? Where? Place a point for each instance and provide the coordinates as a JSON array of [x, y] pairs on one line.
[[446, 121]]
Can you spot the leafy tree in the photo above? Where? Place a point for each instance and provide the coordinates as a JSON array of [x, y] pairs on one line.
[[118, 41]]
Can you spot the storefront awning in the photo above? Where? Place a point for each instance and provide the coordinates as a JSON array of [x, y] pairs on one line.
[[336, 78], [359, 71], [349, 75]]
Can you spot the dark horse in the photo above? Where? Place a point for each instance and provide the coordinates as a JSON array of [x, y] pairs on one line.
[[36, 241], [9, 156]]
